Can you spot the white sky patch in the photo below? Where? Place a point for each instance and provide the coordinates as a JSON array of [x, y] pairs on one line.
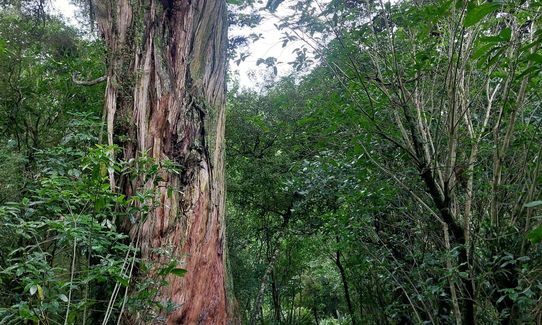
[[249, 74], [66, 10], [269, 45]]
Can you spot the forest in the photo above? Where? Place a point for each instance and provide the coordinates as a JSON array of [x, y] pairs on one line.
[[392, 174]]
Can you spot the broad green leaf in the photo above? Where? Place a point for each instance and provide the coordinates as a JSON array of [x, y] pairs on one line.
[[533, 204], [535, 236], [490, 39], [40, 292], [484, 50], [525, 73], [103, 170], [506, 34], [474, 15], [178, 272], [495, 57], [100, 204], [535, 57], [167, 269]]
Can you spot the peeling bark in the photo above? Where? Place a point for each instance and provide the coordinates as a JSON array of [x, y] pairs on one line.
[[165, 97]]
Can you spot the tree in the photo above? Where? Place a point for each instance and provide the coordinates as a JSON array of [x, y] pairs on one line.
[[165, 98], [394, 178]]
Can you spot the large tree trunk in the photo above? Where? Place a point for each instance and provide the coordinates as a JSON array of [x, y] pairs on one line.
[[165, 97]]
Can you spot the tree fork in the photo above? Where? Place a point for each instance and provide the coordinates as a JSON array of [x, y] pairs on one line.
[[442, 202]]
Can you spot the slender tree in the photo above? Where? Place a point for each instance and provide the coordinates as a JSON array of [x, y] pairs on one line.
[[165, 98]]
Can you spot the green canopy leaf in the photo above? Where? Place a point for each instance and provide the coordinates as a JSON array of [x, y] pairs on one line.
[[535, 236], [475, 14]]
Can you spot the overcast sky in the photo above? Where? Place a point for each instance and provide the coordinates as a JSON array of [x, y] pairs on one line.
[[248, 73]]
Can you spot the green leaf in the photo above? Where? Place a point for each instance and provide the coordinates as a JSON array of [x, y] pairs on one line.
[[172, 268], [2, 46], [524, 258], [528, 71], [40, 292], [483, 50], [167, 268], [506, 34], [533, 204], [474, 15], [100, 204], [63, 297], [490, 39], [495, 57], [26, 313], [535, 57], [272, 5], [123, 281], [535, 236], [178, 272]]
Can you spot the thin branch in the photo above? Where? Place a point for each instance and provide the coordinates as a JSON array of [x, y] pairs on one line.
[[93, 82]]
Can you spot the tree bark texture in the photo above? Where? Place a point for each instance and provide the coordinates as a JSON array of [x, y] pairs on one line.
[[165, 97]]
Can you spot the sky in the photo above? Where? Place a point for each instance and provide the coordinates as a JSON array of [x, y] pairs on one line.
[[249, 74], [269, 45], [65, 9]]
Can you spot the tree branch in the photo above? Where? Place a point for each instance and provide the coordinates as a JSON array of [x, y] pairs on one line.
[[87, 82]]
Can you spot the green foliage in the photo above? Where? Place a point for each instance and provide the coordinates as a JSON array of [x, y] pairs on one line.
[[397, 166], [477, 13], [341, 151], [65, 256], [59, 215], [37, 97], [12, 174]]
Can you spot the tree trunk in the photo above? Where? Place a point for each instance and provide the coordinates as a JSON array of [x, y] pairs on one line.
[[165, 98], [342, 272], [273, 256], [263, 283], [276, 298]]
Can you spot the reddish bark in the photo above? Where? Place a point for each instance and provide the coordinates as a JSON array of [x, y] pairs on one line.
[[165, 96]]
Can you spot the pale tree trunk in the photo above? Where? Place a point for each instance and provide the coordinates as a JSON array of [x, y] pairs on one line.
[[165, 97], [263, 283]]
